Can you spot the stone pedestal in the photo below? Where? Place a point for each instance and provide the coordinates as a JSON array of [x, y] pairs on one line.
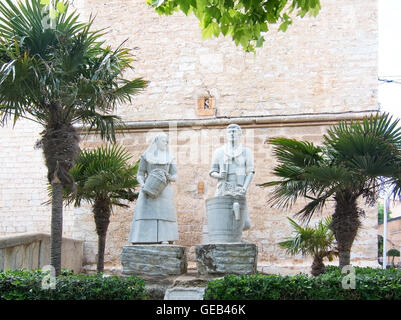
[[226, 258], [154, 260], [181, 293]]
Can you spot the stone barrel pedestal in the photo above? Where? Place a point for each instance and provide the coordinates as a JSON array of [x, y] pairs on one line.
[[226, 258], [154, 260]]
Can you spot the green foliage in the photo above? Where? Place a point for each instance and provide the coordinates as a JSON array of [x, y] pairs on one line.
[[244, 20], [314, 241], [393, 253], [371, 284], [27, 285], [55, 70], [104, 173], [379, 246], [380, 216]]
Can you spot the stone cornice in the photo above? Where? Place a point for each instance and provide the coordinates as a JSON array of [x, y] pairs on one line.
[[305, 119]]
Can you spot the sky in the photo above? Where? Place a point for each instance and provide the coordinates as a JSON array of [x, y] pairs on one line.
[[389, 64], [389, 58]]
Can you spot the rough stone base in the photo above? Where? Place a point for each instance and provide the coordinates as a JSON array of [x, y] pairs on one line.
[[226, 258], [154, 260]]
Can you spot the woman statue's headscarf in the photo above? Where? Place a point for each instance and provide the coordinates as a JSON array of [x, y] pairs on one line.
[[156, 156]]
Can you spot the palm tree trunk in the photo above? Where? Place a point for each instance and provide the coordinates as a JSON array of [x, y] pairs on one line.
[[345, 225], [344, 255], [318, 266], [60, 144], [56, 226], [102, 211], [100, 253]]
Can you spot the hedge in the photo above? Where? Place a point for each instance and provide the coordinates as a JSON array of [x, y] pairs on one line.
[[370, 284], [27, 285]]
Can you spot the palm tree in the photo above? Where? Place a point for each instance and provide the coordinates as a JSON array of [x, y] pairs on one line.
[[355, 159], [59, 74], [317, 242], [104, 178]]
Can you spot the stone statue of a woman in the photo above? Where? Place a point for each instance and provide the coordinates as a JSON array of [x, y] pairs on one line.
[[155, 218]]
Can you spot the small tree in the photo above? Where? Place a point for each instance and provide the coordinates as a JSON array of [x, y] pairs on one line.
[[319, 242], [393, 253], [104, 178]]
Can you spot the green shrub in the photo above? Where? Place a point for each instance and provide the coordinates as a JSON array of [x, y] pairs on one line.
[[370, 284], [393, 253], [27, 285]]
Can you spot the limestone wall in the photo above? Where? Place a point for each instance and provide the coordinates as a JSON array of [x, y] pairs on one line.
[[322, 64], [23, 182]]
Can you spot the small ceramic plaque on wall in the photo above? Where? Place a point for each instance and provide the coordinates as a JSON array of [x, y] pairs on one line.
[[206, 106]]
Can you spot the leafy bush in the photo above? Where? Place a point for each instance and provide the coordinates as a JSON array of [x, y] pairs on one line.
[[370, 284], [27, 285]]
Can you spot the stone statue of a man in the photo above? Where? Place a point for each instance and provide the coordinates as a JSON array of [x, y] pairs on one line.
[[233, 167]]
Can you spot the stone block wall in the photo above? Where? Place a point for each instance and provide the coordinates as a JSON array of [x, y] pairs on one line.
[[321, 68], [23, 182], [322, 64]]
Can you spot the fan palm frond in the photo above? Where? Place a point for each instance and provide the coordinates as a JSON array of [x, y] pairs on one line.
[[63, 67], [354, 156], [104, 173], [295, 152]]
